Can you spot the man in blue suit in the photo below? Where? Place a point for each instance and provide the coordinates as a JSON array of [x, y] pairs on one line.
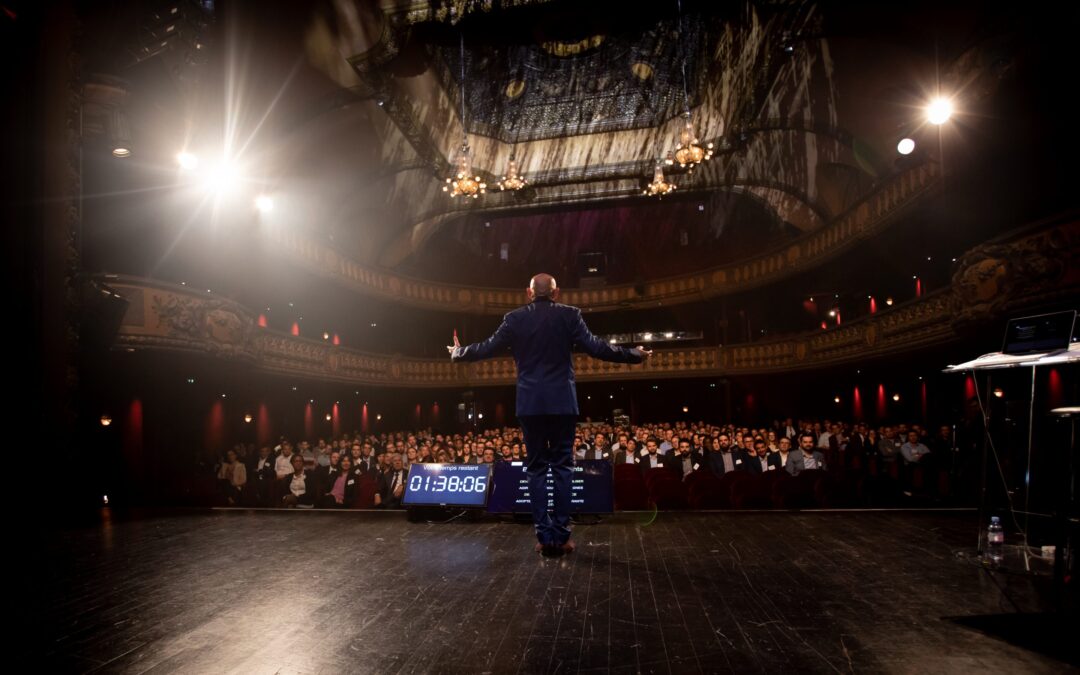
[[541, 335]]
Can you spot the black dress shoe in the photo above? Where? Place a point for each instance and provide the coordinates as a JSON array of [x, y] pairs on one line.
[[568, 547]]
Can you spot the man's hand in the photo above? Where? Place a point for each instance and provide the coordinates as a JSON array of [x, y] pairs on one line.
[[645, 353], [451, 348]]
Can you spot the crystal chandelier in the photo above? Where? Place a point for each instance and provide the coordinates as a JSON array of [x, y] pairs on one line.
[[689, 151], [512, 180], [659, 186], [464, 183]]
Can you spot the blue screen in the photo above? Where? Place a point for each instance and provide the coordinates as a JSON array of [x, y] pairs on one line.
[[447, 485], [590, 488]]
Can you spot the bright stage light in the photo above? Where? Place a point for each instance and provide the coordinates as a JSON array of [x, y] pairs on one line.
[[264, 203], [121, 151], [939, 111], [222, 178], [906, 146], [187, 161]]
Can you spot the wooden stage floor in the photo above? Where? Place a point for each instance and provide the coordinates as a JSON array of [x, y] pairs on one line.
[[317, 592]]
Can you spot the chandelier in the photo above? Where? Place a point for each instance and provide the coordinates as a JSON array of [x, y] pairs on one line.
[[464, 183], [512, 180], [689, 151], [659, 186]]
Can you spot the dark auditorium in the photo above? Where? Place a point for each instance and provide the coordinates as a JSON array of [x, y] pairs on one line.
[[542, 336]]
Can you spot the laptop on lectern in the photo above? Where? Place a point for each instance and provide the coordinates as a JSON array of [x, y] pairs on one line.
[[1042, 333]]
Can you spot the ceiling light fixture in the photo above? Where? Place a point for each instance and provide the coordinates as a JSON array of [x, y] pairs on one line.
[[689, 152], [464, 183], [512, 180], [659, 185]]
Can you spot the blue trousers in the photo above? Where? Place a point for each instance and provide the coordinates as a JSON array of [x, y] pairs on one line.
[[549, 441]]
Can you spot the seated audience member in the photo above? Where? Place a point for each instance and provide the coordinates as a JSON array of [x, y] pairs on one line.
[[298, 488], [784, 451], [652, 459], [489, 456], [682, 461], [264, 476], [942, 443], [598, 450], [506, 453], [394, 483], [771, 442], [283, 464], [322, 453], [913, 451], [807, 458], [340, 490], [725, 457], [628, 453], [442, 457], [762, 461], [232, 476], [366, 462], [411, 456], [888, 446], [308, 453], [326, 475]]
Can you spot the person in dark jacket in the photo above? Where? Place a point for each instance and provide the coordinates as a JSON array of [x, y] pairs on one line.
[[541, 335]]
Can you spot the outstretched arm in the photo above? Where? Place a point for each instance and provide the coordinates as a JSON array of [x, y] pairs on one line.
[[598, 349], [498, 342]]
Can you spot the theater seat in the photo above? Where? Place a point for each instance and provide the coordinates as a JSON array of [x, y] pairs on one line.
[[630, 495], [753, 493], [653, 476], [707, 492], [668, 494], [366, 488], [625, 471]]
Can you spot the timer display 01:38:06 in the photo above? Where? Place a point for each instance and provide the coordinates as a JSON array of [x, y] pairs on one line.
[[447, 483]]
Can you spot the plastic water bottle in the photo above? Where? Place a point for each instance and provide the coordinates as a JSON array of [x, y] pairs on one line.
[[995, 539]]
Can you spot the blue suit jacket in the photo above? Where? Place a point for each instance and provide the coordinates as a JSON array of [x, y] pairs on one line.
[[541, 335]]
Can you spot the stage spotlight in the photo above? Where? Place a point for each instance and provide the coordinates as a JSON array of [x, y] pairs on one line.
[[836, 399], [187, 161], [248, 418], [832, 312], [264, 203], [906, 146], [686, 409], [647, 336], [329, 417], [121, 151], [222, 178], [999, 393], [378, 417], [939, 111], [669, 335], [106, 420], [889, 301], [896, 397]]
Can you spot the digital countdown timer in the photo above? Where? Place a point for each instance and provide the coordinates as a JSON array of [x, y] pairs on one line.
[[447, 485]]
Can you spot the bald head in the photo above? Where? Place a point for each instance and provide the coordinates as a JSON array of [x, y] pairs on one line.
[[542, 286]]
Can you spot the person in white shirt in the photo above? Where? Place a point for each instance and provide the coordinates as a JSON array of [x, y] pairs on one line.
[[283, 465]]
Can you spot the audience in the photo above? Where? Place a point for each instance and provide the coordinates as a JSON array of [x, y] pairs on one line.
[[329, 473]]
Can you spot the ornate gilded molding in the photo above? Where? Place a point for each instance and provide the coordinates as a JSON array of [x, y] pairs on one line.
[[864, 220], [1030, 268], [995, 278]]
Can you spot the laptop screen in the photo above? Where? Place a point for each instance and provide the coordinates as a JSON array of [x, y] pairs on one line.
[[1043, 333]]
